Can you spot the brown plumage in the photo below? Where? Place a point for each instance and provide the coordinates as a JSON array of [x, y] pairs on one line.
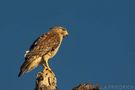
[[43, 49]]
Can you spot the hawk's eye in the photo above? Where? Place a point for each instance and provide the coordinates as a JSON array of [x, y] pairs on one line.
[[63, 29]]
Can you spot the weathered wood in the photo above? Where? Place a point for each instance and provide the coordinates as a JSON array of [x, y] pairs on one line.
[[46, 80]]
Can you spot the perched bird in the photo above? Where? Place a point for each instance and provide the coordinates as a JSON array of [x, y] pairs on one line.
[[43, 49]]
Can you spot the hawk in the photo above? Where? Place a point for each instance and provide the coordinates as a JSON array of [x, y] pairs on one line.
[[43, 49]]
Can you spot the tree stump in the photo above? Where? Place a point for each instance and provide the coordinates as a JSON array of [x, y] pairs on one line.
[[46, 80]]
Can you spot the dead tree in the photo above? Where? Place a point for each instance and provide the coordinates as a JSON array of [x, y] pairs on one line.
[[46, 80]]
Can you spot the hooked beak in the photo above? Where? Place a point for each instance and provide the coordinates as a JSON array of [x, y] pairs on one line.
[[66, 34]]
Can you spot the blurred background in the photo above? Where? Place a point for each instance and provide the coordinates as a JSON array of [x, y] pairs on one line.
[[100, 47]]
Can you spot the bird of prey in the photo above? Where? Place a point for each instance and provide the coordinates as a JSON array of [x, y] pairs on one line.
[[43, 49]]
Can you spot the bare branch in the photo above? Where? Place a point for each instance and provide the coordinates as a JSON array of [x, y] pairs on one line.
[[86, 86]]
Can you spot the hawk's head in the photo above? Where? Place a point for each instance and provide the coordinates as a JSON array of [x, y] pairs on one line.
[[60, 30]]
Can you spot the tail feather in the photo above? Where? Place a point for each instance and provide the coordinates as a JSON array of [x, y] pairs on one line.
[[20, 73], [29, 65]]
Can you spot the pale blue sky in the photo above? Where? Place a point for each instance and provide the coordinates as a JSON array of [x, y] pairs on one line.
[[100, 47]]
